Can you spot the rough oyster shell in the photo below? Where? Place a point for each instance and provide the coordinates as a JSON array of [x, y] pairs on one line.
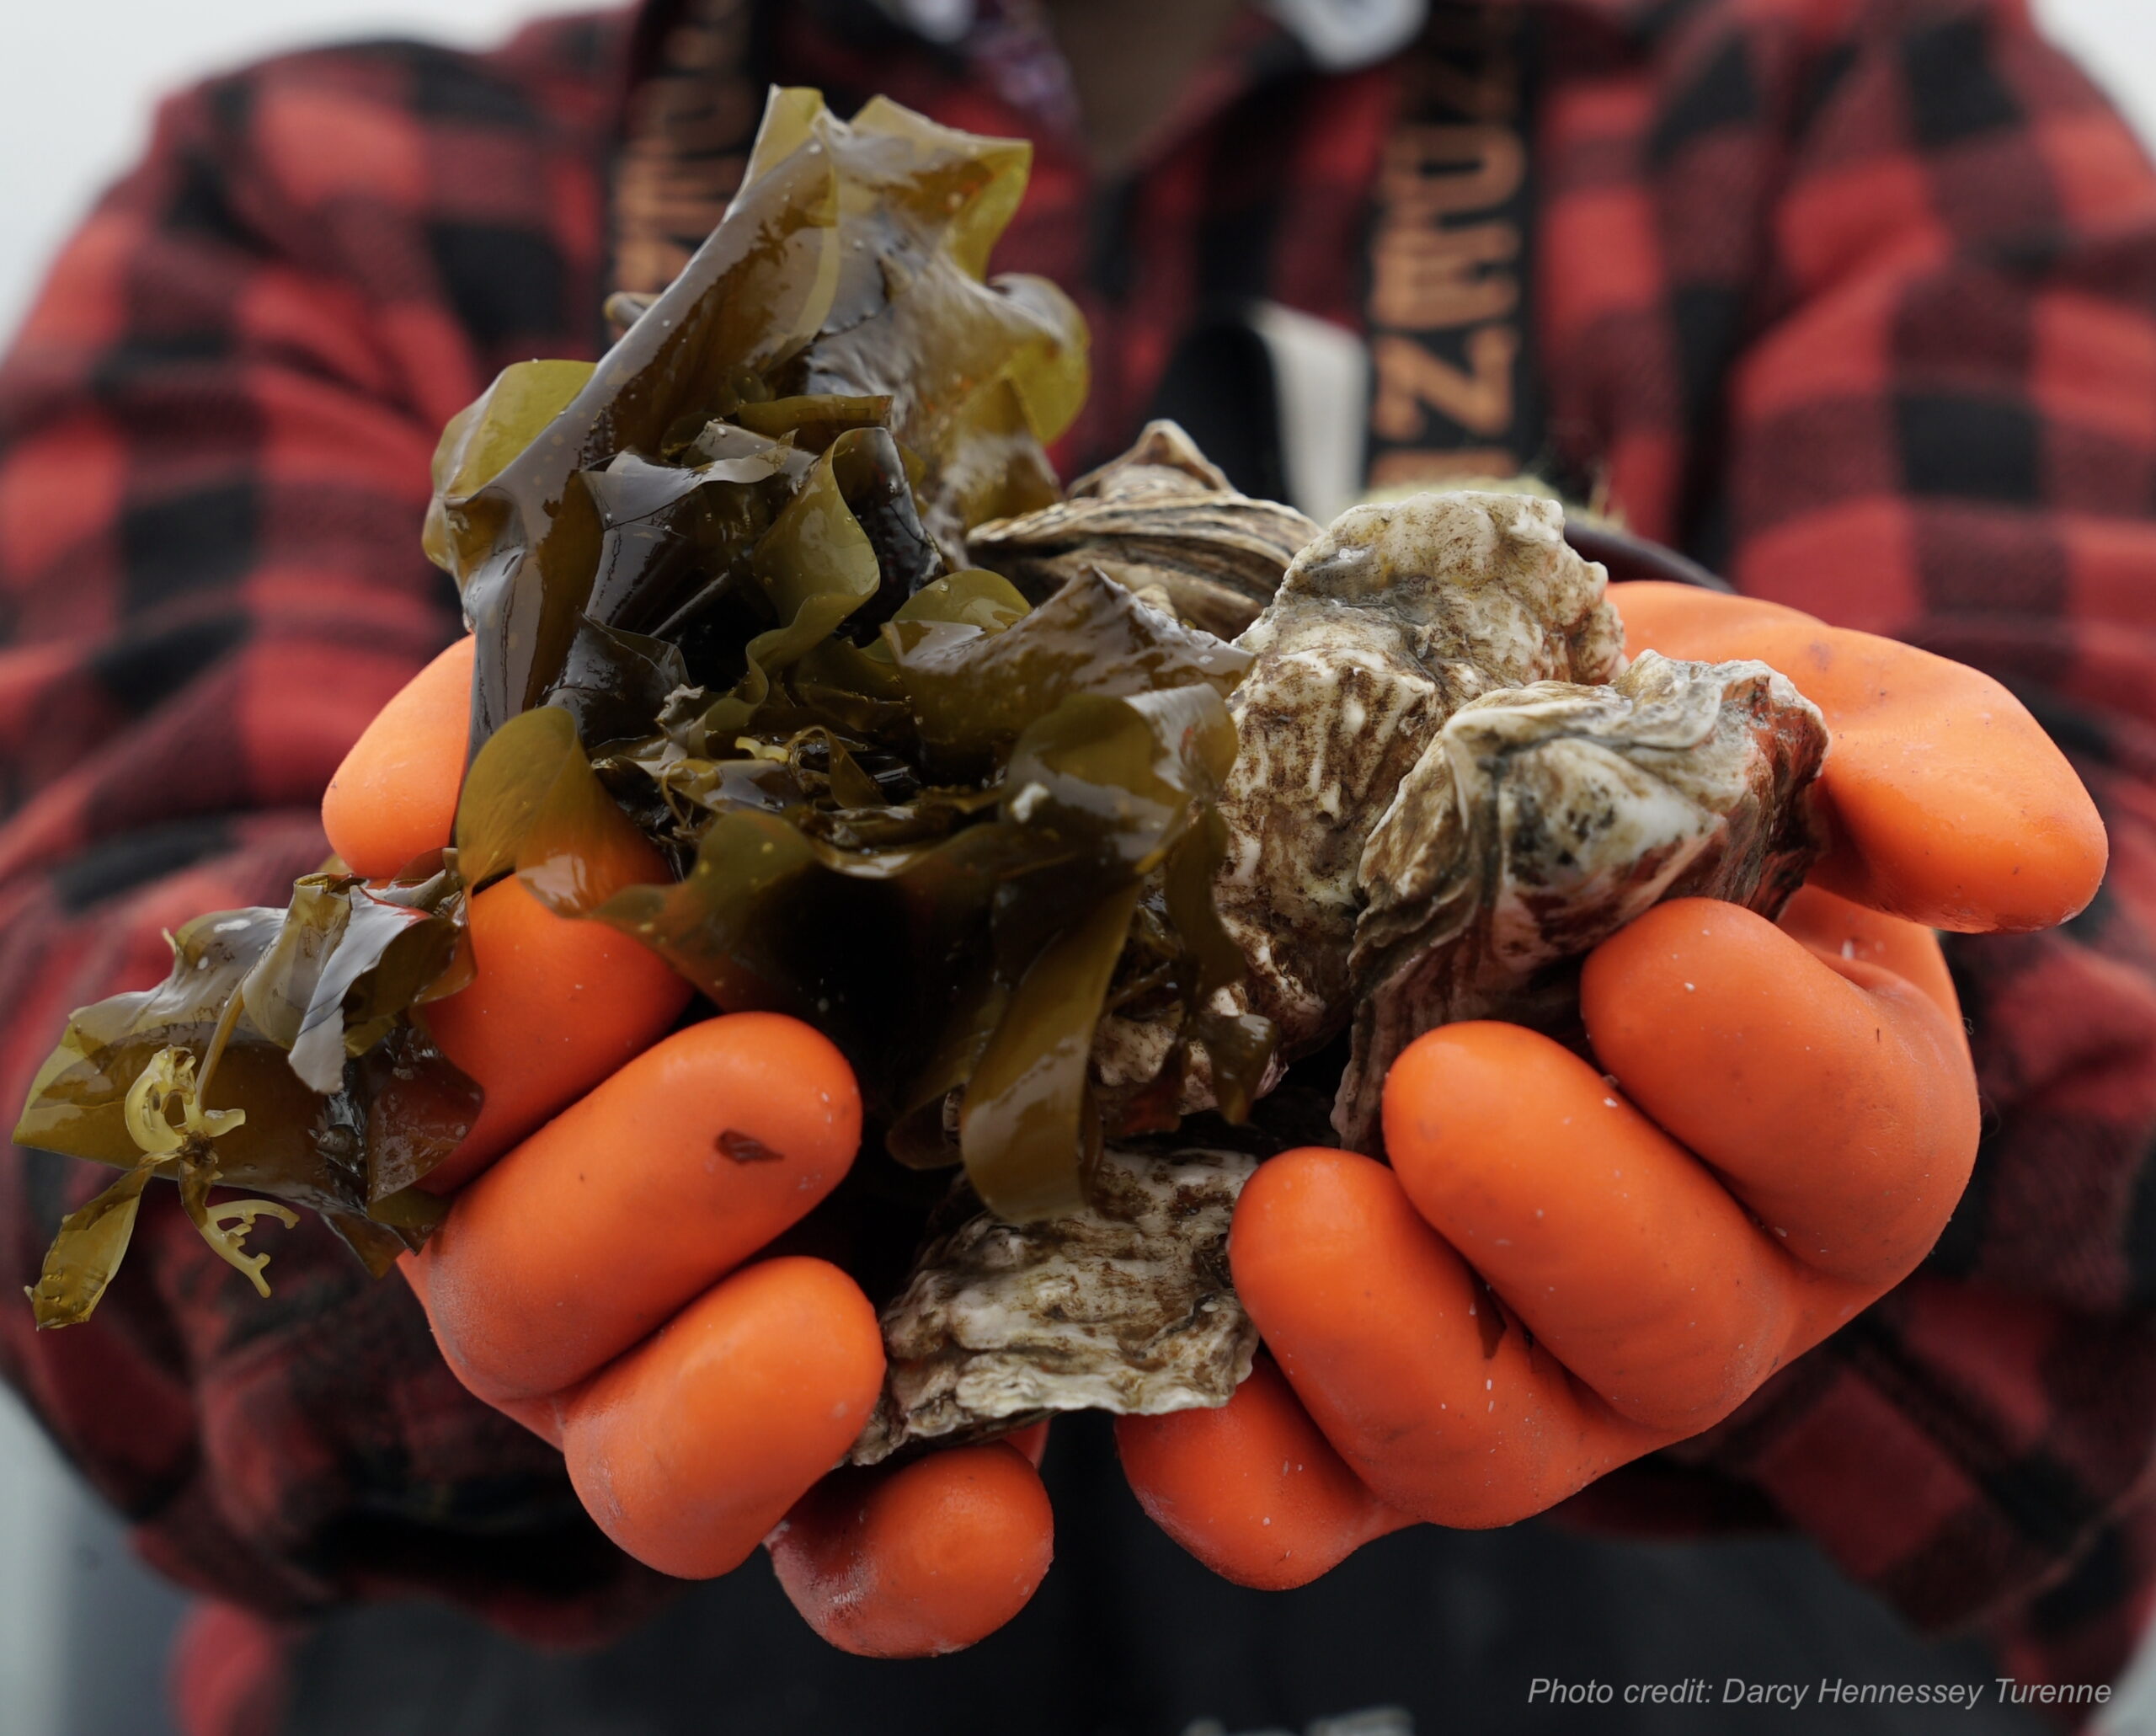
[[1444, 793], [1543, 819], [1387, 624], [1162, 521], [1126, 1306]]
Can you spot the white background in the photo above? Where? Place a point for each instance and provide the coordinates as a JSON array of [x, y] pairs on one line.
[[77, 81]]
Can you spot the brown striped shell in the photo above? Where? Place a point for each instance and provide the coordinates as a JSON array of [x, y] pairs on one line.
[[1162, 521]]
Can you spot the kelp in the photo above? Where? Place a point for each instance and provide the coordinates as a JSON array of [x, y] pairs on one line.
[[844, 290], [923, 816], [718, 588], [960, 939], [292, 1022]]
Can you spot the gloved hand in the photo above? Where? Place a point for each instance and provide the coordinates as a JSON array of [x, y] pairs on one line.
[[598, 1276], [1567, 1264]]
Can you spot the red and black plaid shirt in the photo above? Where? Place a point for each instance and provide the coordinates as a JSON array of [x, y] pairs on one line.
[[1855, 298]]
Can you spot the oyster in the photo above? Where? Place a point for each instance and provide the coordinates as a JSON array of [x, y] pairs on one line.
[[1162, 521], [1444, 793], [1542, 818], [1124, 1306], [1386, 625]]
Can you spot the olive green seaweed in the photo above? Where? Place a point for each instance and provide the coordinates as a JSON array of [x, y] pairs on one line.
[[718, 587]]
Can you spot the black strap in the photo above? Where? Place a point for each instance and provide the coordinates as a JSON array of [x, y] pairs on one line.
[[1453, 371], [694, 102], [1448, 263]]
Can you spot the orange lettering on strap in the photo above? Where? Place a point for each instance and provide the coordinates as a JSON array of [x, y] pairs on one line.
[[1429, 279], [1479, 397]]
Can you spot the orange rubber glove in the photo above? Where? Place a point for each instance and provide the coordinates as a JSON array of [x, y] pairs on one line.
[[598, 1277], [1566, 1267]]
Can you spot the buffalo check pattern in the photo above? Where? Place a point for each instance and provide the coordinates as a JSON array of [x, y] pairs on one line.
[[1854, 299]]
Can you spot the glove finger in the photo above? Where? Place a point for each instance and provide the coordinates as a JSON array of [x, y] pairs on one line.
[[690, 1448], [542, 1416], [916, 1561], [1947, 802], [556, 1004], [395, 796], [1835, 928], [1439, 1404], [591, 1233], [1835, 1099], [1253, 1489], [1620, 1251]]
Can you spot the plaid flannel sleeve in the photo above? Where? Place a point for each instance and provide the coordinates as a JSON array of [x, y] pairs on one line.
[[1918, 395], [215, 432]]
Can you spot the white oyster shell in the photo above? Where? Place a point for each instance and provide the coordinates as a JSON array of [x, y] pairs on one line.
[[1387, 624], [1542, 818], [1125, 1307]]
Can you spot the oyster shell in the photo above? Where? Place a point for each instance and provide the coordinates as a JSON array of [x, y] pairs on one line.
[[1162, 521], [1125, 1307], [1444, 793], [1382, 628], [1542, 818]]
